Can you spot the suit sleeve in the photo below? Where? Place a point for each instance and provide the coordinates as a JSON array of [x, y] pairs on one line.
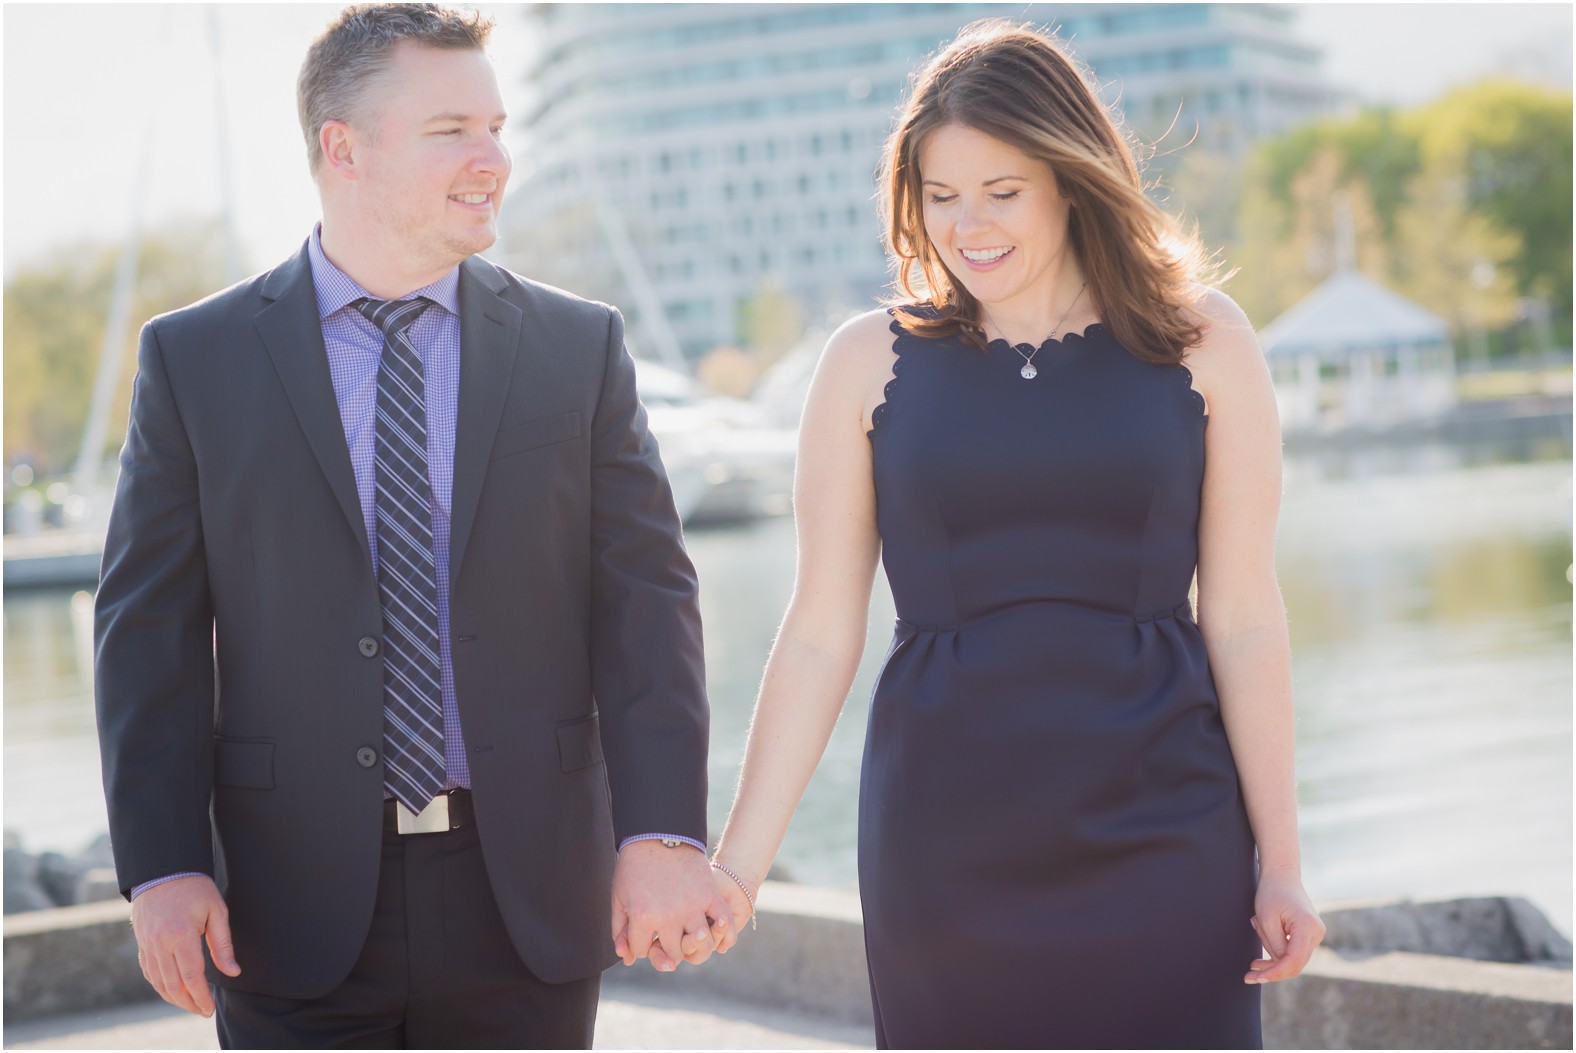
[[153, 628], [647, 672]]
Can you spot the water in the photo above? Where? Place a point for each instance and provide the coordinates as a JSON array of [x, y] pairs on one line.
[[1431, 633]]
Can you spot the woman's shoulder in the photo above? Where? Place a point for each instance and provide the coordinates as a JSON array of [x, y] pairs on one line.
[[1227, 358], [857, 364], [863, 341], [1215, 311], [868, 326], [1227, 333]]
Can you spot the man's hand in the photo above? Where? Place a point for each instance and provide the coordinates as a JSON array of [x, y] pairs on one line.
[[665, 906], [170, 920]]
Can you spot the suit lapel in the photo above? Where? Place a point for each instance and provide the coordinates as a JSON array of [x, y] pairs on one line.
[[293, 334], [489, 343]]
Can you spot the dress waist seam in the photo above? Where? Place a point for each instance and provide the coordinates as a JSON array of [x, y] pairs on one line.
[[1181, 610]]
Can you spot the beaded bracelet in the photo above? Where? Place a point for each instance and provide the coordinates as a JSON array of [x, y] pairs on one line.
[[742, 888]]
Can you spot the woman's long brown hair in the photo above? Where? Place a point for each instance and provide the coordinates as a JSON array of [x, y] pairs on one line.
[[1017, 85]]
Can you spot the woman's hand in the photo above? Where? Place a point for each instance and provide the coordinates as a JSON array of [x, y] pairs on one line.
[[1288, 927], [739, 905]]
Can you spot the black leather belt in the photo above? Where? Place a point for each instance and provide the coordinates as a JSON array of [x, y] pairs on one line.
[[450, 810]]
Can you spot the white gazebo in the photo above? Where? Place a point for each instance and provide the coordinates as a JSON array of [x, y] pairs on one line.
[[1354, 354]]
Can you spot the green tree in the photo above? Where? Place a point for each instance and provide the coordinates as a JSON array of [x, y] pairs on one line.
[[1370, 148], [1512, 145], [769, 322], [1452, 259], [55, 313], [1463, 205]]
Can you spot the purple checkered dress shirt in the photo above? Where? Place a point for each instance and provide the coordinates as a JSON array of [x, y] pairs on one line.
[[354, 346]]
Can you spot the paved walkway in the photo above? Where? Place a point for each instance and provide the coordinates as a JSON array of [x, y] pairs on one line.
[[630, 1018]]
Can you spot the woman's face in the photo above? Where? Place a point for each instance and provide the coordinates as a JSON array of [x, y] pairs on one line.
[[995, 217]]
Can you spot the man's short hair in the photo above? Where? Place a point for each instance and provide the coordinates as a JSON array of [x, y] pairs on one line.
[[344, 63]]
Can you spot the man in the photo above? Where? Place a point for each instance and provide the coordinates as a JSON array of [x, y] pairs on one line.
[[397, 640]]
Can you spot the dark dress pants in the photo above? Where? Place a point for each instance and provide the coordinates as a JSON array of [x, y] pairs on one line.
[[438, 971]]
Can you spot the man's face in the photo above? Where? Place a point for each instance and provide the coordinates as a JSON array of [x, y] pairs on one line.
[[432, 174]]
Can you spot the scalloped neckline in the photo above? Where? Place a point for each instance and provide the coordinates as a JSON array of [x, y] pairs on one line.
[[1064, 339], [901, 335]]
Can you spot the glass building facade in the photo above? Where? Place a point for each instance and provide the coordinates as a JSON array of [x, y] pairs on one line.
[[693, 159]]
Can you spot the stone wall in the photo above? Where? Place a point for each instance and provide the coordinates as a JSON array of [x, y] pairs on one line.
[[1486, 973]]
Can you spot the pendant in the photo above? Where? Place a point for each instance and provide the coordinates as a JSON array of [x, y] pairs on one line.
[[1028, 372]]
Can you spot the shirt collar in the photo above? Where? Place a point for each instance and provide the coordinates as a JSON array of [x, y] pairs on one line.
[[337, 290]]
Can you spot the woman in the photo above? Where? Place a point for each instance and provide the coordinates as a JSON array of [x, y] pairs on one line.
[[1067, 777]]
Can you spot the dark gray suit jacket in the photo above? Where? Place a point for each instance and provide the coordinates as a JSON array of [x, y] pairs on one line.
[[235, 694]]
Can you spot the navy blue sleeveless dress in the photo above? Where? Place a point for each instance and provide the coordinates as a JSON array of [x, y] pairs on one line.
[[1053, 849]]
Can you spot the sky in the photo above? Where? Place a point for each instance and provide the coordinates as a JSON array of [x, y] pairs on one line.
[[79, 99]]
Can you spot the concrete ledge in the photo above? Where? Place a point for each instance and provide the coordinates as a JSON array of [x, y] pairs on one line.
[[1402, 1000], [808, 957], [71, 959]]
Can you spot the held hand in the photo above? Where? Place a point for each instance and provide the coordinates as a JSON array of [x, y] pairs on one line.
[[1288, 927], [170, 920], [665, 906], [739, 905]]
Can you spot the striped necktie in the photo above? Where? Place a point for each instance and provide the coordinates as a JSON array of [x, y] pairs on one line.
[[407, 572]]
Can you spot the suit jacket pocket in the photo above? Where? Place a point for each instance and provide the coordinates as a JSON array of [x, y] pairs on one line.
[[579, 744], [528, 435], [249, 765]]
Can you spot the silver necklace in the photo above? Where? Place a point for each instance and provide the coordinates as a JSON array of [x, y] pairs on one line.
[[1028, 372]]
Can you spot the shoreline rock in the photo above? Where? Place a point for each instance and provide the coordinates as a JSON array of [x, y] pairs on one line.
[[55, 879]]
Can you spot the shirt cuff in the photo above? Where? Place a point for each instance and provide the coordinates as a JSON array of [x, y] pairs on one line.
[[146, 885], [662, 837]]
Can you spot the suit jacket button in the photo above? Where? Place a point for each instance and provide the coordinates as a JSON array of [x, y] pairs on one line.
[[366, 756], [368, 646]]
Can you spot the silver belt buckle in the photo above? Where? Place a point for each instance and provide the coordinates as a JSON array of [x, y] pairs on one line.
[[433, 819]]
